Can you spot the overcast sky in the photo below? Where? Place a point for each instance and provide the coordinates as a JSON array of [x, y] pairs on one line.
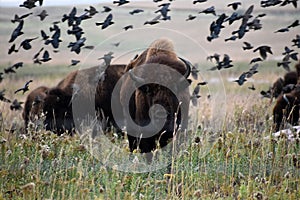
[[53, 2]]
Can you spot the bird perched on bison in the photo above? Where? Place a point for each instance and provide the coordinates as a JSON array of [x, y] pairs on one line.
[[172, 109]]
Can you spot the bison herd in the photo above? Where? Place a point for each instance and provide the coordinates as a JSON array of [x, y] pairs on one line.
[[92, 86], [55, 106]]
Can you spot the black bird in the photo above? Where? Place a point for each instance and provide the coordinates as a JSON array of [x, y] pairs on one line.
[[55, 38], [3, 98], [91, 47], [17, 32], [120, 2], [44, 35], [74, 62], [234, 17], [75, 46], [296, 41], [191, 17], [12, 49], [77, 31], [199, 1], [164, 11], [38, 53], [215, 27], [282, 30], [43, 15], [18, 19], [247, 46], [252, 87], [25, 88], [116, 44], [243, 27], [106, 9], [107, 22], [11, 68], [128, 27], [1, 77], [294, 24], [194, 72], [232, 38], [107, 58], [226, 62], [215, 56], [261, 15], [287, 50], [255, 24], [136, 11], [16, 105], [285, 65], [153, 21], [241, 79], [254, 60], [92, 11], [28, 4], [210, 10], [195, 95], [252, 70], [71, 17], [263, 50], [155, 1], [268, 3], [286, 2], [26, 43], [46, 57], [266, 94], [234, 5]]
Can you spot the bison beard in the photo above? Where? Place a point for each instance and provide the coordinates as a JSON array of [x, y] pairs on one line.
[[83, 86], [34, 103], [160, 53]]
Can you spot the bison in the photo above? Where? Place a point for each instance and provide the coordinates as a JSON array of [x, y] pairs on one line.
[[34, 104], [141, 76], [84, 87], [287, 105], [287, 83]]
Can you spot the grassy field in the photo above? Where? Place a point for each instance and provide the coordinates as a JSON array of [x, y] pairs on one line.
[[228, 156]]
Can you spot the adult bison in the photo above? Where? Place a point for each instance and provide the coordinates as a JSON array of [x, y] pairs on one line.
[[88, 86], [287, 105], [287, 83], [157, 78], [34, 104]]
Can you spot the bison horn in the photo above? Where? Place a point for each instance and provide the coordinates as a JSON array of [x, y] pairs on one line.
[[136, 78], [188, 66]]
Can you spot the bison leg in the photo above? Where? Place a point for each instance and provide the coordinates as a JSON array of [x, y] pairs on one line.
[[295, 115]]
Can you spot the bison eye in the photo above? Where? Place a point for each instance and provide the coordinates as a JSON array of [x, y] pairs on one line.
[[144, 89], [57, 99]]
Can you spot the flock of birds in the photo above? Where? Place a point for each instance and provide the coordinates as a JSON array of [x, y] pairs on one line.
[[73, 19]]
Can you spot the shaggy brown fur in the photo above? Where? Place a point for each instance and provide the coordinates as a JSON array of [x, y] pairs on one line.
[[287, 105], [34, 103], [159, 52], [284, 85], [59, 101]]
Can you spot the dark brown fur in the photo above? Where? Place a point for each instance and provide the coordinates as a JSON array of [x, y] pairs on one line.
[[287, 105], [150, 94], [59, 101], [34, 103]]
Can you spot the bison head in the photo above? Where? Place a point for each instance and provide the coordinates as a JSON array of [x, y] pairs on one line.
[[161, 98], [58, 111]]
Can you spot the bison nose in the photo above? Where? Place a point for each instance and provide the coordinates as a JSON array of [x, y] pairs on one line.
[[158, 112]]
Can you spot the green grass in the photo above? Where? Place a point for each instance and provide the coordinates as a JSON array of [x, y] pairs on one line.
[[240, 164]]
